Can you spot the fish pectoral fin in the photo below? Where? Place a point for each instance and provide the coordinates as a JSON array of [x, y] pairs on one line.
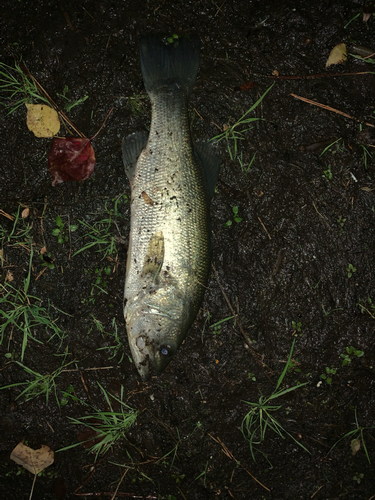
[[210, 163], [132, 146], [155, 255]]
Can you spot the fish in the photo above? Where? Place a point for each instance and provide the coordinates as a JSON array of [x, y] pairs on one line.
[[172, 183]]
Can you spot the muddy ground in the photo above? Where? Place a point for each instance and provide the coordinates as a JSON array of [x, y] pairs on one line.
[[299, 265]]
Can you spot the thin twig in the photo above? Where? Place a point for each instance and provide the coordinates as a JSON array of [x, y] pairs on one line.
[[6, 215], [230, 455], [118, 486], [51, 101], [87, 369], [247, 341], [264, 227], [32, 488], [324, 106], [320, 487], [319, 75], [110, 111]]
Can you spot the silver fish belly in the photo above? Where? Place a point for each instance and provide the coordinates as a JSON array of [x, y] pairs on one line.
[[169, 246]]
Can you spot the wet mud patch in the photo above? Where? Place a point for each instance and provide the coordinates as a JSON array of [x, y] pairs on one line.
[[298, 266]]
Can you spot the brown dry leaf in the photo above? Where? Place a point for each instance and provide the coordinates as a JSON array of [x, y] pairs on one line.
[[43, 251], [42, 120], [25, 212], [355, 445], [366, 17], [147, 199], [338, 55], [9, 276], [33, 460]]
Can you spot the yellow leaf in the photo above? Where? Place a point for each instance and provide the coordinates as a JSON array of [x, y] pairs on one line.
[[338, 55], [25, 212], [33, 460], [42, 120], [355, 445]]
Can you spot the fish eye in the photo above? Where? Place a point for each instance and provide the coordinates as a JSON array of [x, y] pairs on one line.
[[165, 350]]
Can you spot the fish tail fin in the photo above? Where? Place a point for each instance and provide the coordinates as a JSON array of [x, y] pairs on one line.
[[169, 65]]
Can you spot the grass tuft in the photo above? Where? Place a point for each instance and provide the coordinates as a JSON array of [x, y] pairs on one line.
[[261, 417]]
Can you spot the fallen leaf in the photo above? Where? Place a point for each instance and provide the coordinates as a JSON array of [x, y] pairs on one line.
[[43, 250], [33, 460], [25, 212], [71, 159], [147, 199], [338, 55], [9, 276], [355, 445], [42, 120], [247, 86]]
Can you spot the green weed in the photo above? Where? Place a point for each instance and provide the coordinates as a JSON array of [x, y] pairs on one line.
[[100, 284], [100, 237], [172, 39], [327, 376], [40, 384], [23, 312], [47, 260], [232, 134], [135, 104], [216, 327], [350, 353], [352, 19], [19, 234], [366, 155], [69, 104], [327, 174], [341, 221], [245, 169], [260, 418], [61, 232], [351, 270], [109, 426], [329, 147], [370, 307], [356, 435], [297, 326], [118, 344], [15, 83], [358, 478], [235, 217]]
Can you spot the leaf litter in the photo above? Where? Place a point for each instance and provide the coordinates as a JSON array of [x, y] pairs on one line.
[[42, 120]]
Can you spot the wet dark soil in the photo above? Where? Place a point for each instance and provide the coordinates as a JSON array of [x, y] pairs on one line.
[[299, 265]]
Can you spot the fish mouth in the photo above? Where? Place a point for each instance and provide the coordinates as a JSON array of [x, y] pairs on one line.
[[148, 358]]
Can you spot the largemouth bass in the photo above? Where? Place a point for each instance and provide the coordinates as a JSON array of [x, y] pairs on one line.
[[171, 188]]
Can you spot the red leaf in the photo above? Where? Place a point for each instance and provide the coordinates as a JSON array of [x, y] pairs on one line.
[[71, 159], [247, 86]]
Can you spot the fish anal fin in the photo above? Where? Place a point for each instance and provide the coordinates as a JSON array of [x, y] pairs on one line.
[[210, 163]]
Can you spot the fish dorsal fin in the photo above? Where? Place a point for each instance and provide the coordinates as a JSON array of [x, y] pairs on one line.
[[210, 163], [132, 146]]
